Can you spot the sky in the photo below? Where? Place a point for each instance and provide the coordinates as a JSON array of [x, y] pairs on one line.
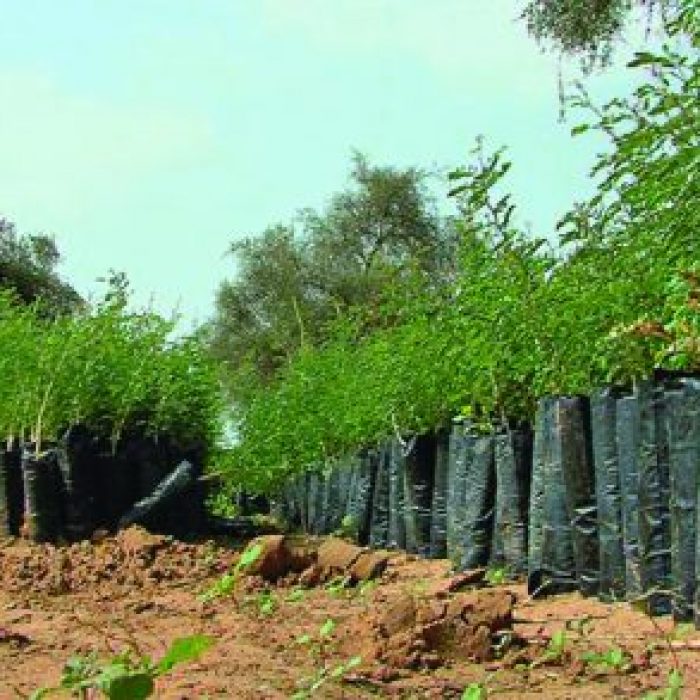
[[147, 135]]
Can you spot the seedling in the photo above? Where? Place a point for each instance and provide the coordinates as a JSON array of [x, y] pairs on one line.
[[267, 603], [296, 596], [496, 576], [673, 689], [475, 691], [125, 676], [318, 648], [227, 583], [614, 659], [338, 585], [555, 651]]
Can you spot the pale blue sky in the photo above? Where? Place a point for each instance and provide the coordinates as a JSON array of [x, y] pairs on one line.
[[148, 134]]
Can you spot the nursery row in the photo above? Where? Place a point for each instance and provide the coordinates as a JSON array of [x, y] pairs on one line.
[[104, 368], [81, 484], [600, 495]]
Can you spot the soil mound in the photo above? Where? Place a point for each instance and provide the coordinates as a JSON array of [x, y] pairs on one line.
[[133, 557], [410, 633]]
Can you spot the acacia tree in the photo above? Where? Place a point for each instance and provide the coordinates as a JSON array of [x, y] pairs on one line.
[[293, 280]]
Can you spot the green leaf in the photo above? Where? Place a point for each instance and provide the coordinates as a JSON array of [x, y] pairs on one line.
[[475, 691], [327, 628], [133, 686], [249, 556], [184, 650]]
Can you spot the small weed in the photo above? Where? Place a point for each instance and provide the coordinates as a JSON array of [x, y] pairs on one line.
[[496, 576], [296, 596], [227, 583], [338, 585], [125, 676], [556, 650], [475, 691], [319, 647], [673, 689], [267, 603], [614, 659], [365, 588]]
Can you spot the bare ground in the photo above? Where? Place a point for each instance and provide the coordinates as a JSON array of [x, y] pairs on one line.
[[420, 631]]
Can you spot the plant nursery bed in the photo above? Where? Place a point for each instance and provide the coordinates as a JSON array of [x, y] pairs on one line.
[[416, 630]]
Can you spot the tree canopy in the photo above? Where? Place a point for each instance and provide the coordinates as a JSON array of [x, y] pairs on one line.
[[586, 28], [28, 268], [294, 280], [515, 320]]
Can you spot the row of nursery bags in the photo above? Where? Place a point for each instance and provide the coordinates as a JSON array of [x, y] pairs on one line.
[[600, 495], [82, 484]]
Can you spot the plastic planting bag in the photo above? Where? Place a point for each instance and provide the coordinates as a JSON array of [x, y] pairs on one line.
[[397, 452], [78, 462], [335, 495], [438, 520], [513, 460], [148, 510], [551, 563], [479, 502], [574, 428], [11, 491], [683, 420], [359, 504], [379, 527], [461, 443], [654, 516], [43, 495], [627, 438], [314, 504], [470, 498], [419, 476], [608, 493]]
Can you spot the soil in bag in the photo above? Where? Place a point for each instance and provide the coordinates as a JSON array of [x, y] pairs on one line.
[[78, 459], [419, 475], [117, 482], [11, 491], [379, 526], [627, 439], [359, 504], [44, 496], [398, 450], [479, 503], [551, 563], [574, 436], [461, 446], [683, 420], [438, 520], [654, 487], [513, 462], [608, 493]]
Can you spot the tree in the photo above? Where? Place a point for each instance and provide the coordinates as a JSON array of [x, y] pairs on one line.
[[28, 268], [294, 280], [585, 28]]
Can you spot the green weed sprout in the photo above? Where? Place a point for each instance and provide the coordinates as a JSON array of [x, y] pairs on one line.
[[227, 583], [124, 676]]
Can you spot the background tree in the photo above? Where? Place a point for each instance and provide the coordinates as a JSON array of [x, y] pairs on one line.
[[586, 28], [28, 268], [373, 238]]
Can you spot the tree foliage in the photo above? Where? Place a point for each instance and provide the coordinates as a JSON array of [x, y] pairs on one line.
[[294, 280], [515, 320], [28, 268], [586, 28]]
